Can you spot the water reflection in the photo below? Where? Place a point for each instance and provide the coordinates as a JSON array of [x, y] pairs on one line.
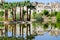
[[32, 31]]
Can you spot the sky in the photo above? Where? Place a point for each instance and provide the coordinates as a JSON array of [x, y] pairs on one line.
[[44, 1]]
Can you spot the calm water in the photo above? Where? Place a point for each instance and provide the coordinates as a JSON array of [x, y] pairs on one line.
[[38, 30]]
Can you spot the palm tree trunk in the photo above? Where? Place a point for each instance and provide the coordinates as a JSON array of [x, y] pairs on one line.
[[1, 30], [22, 30], [29, 29], [30, 20], [6, 19], [30, 15], [27, 13], [12, 31]]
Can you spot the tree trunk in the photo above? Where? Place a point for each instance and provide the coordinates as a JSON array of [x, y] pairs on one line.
[[20, 29], [30, 20], [27, 13], [6, 20], [29, 29], [1, 31], [12, 31], [30, 15]]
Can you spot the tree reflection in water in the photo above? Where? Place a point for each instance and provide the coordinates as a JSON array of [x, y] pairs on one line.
[[54, 31]]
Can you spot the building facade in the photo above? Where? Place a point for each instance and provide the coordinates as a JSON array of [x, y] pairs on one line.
[[51, 7]]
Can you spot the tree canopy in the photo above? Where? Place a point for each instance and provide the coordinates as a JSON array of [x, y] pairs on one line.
[[45, 12], [1, 13]]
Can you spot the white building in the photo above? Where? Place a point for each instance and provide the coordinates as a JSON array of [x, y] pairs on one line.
[[51, 7]]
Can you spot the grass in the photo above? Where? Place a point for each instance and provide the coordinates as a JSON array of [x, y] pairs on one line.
[[1, 19]]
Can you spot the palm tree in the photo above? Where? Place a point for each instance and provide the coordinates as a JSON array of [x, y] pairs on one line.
[[21, 4], [22, 10], [29, 6], [5, 6]]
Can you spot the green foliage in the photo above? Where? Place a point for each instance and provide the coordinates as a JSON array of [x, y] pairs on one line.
[[34, 14], [55, 13], [11, 13], [1, 19], [57, 25], [24, 12], [17, 17], [36, 24], [45, 26], [1, 13], [38, 17], [58, 16], [1, 25], [45, 12], [5, 5]]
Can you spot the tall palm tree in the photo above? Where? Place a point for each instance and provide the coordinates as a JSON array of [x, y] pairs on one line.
[[26, 4], [29, 18], [5, 6], [29, 6], [21, 5]]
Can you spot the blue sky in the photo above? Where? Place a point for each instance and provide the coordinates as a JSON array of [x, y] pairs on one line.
[[44, 1]]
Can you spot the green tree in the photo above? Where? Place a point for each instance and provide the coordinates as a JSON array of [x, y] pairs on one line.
[[34, 14], [1, 13], [55, 13], [45, 12], [6, 7]]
